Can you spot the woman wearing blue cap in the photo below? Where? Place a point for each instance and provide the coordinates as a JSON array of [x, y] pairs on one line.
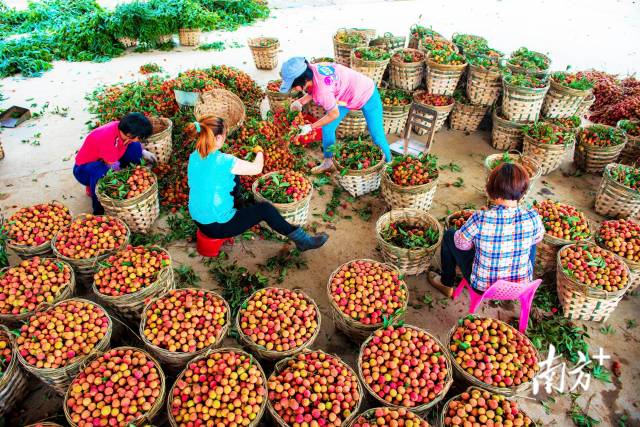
[[338, 89]]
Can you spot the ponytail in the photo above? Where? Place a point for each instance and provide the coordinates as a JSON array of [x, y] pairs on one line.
[[206, 130]]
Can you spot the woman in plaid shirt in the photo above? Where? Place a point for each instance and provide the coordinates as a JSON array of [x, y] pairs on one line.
[[499, 243]]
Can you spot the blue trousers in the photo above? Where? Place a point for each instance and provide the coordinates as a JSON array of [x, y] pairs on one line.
[[90, 173], [451, 256], [372, 112]]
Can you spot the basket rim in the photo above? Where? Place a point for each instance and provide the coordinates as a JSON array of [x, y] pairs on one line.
[[528, 90], [251, 42], [282, 365], [156, 405], [244, 338], [206, 354], [404, 49], [419, 408], [373, 326], [446, 67], [160, 350], [609, 179], [549, 147], [609, 148], [441, 108], [536, 163], [633, 265], [386, 219], [507, 391], [126, 203], [153, 138], [370, 170], [559, 87], [38, 248], [369, 63], [284, 206], [367, 413], [408, 188]]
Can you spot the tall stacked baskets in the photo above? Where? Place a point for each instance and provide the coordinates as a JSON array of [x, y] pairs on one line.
[[265, 52], [442, 79], [484, 85], [406, 75], [522, 104]]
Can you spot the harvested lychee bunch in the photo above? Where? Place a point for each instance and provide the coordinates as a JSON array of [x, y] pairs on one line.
[[595, 267], [185, 320], [484, 409], [404, 366], [395, 97], [601, 136], [285, 187], [389, 417], [36, 225], [274, 86], [279, 319], [622, 237], [116, 388], [563, 221], [6, 353], [25, 286], [130, 270], [314, 386], [493, 352], [411, 170], [56, 337], [629, 176], [126, 183], [366, 291], [91, 236], [548, 133], [407, 235], [434, 100], [458, 218], [356, 155], [225, 388]]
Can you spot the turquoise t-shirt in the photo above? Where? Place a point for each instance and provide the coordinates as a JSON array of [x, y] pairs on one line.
[[210, 186]]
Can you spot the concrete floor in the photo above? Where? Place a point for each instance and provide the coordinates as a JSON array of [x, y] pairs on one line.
[[31, 174]]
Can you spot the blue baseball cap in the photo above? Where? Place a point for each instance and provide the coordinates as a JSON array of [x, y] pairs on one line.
[[291, 70]]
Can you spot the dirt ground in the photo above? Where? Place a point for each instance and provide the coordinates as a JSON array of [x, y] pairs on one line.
[[31, 174]]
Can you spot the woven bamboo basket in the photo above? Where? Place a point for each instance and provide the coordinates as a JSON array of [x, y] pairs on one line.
[[282, 365], [342, 51], [522, 104], [221, 103], [279, 101], [561, 101], [406, 76], [139, 212], [66, 290], [13, 383], [165, 38], [42, 250], [360, 182], [631, 151], [265, 57], [442, 113], [634, 268], [540, 74], [296, 213], [585, 105], [442, 79], [389, 42], [420, 410], [505, 134], [547, 252], [314, 110], [460, 373], [614, 199], [60, 378], [128, 42], [408, 261], [176, 360], [144, 420], [593, 159], [273, 355], [130, 306], [370, 416], [189, 36], [159, 143], [356, 330], [550, 156], [467, 116], [368, 33], [44, 424], [483, 85], [445, 408], [394, 118], [256, 420], [412, 196], [529, 162], [582, 302], [85, 268], [373, 69], [352, 125]]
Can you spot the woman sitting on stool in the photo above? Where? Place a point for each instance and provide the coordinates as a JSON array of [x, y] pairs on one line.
[[499, 243], [212, 179]]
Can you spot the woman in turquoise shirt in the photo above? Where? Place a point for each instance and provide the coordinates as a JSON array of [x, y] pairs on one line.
[[213, 183]]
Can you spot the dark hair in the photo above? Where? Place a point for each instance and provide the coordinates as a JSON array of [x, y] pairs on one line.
[[136, 124], [209, 128], [509, 181], [302, 79]]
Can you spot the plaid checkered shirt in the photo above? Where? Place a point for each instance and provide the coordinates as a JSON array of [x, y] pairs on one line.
[[502, 238]]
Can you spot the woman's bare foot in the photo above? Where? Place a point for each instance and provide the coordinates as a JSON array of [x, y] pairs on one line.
[[434, 280], [325, 166]]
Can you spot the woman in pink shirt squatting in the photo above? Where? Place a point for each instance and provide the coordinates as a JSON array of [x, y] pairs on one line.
[[114, 145], [499, 243], [338, 89]]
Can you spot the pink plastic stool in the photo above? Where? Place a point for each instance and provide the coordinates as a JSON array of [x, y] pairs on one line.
[[504, 290], [209, 247]]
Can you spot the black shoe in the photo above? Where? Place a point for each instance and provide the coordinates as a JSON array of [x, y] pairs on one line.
[[304, 242]]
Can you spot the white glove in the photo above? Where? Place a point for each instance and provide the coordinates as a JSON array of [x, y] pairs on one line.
[[296, 106], [305, 129], [149, 156]]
